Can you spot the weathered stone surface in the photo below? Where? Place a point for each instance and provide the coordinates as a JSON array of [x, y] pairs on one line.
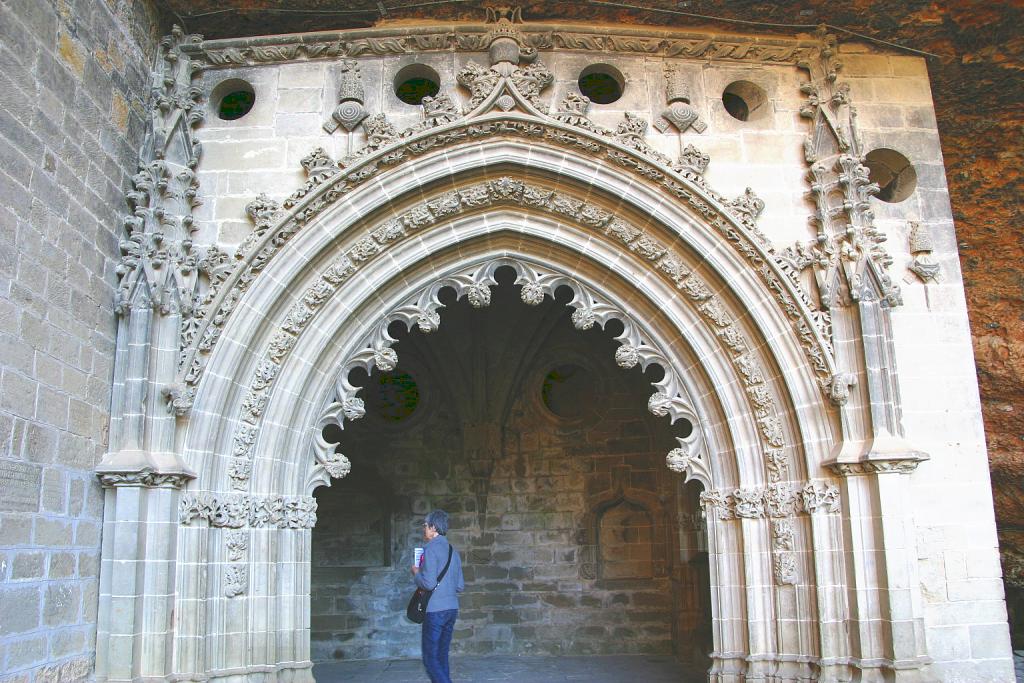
[[73, 83], [558, 522]]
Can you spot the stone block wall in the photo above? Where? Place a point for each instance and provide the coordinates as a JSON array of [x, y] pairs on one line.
[[571, 529], [74, 78]]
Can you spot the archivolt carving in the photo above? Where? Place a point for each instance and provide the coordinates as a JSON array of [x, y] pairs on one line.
[[239, 511], [422, 311], [746, 239]]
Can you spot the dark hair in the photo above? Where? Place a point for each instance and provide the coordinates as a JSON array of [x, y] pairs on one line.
[[439, 520]]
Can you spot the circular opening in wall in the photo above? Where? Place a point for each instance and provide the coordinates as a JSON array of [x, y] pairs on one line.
[[234, 97], [332, 433], [745, 101], [602, 83], [683, 428], [893, 172], [397, 395], [416, 81], [567, 390]]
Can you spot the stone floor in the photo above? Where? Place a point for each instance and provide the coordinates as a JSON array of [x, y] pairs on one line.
[[610, 669], [1018, 665]]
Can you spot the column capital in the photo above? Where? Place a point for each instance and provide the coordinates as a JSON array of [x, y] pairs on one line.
[[143, 469]]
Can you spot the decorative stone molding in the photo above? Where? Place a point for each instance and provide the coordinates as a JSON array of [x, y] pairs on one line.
[[421, 310], [237, 544], [898, 465], [775, 501], [846, 254], [820, 496], [479, 37], [750, 243], [236, 580], [240, 511], [157, 252], [145, 479]]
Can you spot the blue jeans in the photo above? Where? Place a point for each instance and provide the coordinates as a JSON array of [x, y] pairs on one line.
[[437, 637]]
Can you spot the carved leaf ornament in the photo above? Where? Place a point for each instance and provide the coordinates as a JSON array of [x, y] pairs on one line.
[[733, 219], [376, 350]]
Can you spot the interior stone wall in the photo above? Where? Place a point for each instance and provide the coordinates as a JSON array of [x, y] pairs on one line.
[[576, 539], [74, 77]]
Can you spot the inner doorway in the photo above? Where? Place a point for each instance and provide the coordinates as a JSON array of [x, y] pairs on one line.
[[576, 539]]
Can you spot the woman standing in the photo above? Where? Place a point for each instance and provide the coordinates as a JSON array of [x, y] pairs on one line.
[[443, 608]]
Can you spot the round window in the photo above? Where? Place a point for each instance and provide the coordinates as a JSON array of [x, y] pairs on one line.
[[745, 101], [567, 391], [397, 395], [416, 81], [893, 172], [235, 98], [601, 83]]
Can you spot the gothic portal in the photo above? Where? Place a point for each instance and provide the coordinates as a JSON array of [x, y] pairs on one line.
[[560, 280]]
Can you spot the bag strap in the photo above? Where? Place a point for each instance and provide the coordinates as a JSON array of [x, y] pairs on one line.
[[446, 564]]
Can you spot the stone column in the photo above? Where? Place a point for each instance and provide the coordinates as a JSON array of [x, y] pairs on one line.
[[876, 462], [137, 575]]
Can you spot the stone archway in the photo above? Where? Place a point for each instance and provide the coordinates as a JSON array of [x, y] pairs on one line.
[[532, 486], [746, 364]]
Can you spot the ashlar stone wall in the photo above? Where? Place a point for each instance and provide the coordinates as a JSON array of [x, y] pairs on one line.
[[576, 539], [74, 78]]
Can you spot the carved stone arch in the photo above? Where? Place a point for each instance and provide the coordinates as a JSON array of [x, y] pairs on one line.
[[691, 286], [322, 303], [568, 153], [422, 310]]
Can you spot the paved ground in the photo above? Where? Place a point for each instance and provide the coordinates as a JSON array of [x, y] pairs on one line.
[[1018, 664], [611, 669]]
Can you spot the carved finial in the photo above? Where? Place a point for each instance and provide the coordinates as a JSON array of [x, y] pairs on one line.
[[504, 41], [318, 163], [350, 111], [692, 163], [679, 112], [748, 205], [839, 387], [923, 264]]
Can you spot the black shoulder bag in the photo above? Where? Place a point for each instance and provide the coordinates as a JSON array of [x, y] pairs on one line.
[[417, 609]]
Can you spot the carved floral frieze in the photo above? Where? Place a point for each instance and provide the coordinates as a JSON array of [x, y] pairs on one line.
[[478, 37], [242, 511]]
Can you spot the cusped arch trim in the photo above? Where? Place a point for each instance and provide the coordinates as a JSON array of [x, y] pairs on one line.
[[422, 310], [276, 225]]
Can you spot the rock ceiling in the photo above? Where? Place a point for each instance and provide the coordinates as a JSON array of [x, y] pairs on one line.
[[976, 68]]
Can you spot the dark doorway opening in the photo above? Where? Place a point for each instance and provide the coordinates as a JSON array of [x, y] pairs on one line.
[[576, 538]]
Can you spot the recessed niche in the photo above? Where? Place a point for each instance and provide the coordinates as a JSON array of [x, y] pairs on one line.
[[626, 541], [566, 391], [745, 101], [893, 172], [234, 97], [416, 81], [602, 83]]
